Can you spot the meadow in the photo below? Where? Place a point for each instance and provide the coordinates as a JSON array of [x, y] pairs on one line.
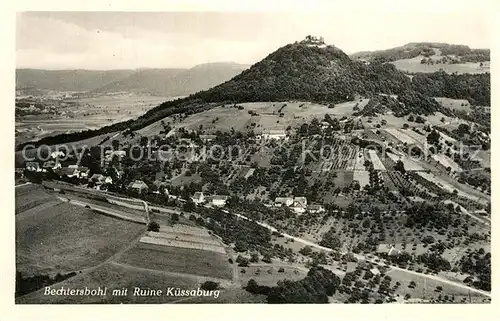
[[66, 238], [178, 260]]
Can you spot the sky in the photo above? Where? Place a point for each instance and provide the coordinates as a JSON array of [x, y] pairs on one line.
[[129, 40]]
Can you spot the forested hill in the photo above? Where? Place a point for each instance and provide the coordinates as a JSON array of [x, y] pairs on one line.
[[311, 72], [414, 49]]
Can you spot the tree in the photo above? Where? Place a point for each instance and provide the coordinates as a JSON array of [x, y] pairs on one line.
[[254, 258], [252, 286], [115, 144], [406, 126], [174, 218], [306, 250], [209, 285], [189, 206], [153, 226], [242, 261], [400, 167]]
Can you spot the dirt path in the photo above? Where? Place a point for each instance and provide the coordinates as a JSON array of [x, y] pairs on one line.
[[127, 217]]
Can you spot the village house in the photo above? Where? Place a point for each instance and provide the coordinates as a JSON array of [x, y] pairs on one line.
[[316, 209], [51, 165], [138, 186], [159, 185], [198, 198], [219, 200], [375, 271], [207, 138], [83, 172], [299, 204], [325, 125], [57, 154], [100, 179], [110, 154], [280, 201], [33, 167], [70, 171], [274, 134]]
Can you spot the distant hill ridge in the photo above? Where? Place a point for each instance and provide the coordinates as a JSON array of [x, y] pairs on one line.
[[154, 81]]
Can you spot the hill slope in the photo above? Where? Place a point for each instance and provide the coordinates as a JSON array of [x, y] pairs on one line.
[[315, 73], [311, 73]]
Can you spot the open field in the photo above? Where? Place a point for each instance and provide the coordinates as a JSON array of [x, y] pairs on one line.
[[66, 238], [265, 115], [457, 104], [186, 241], [446, 162], [409, 164], [30, 196], [176, 259], [401, 136], [85, 113], [414, 65], [377, 164], [115, 276], [430, 287]]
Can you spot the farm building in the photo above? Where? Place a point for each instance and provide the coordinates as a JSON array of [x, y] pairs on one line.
[[219, 200], [280, 201], [198, 198], [375, 271], [299, 204], [33, 167], [138, 186]]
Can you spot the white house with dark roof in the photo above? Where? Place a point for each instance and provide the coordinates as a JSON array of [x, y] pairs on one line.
[[300, 204], [138, 186], [316, 208], [388, 249], [51, 165], [33, 167], [274, 134], [286, 201], [219, 200]]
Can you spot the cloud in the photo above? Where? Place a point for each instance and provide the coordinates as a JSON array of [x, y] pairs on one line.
[[110, 40]]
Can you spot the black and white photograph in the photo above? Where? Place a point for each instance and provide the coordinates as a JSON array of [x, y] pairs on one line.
[[213, 157]]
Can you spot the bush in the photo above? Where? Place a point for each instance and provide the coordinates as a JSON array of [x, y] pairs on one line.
[[210, 285], [153, 226]]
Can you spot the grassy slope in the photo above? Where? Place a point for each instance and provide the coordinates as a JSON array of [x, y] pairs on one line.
[[68, 238]]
